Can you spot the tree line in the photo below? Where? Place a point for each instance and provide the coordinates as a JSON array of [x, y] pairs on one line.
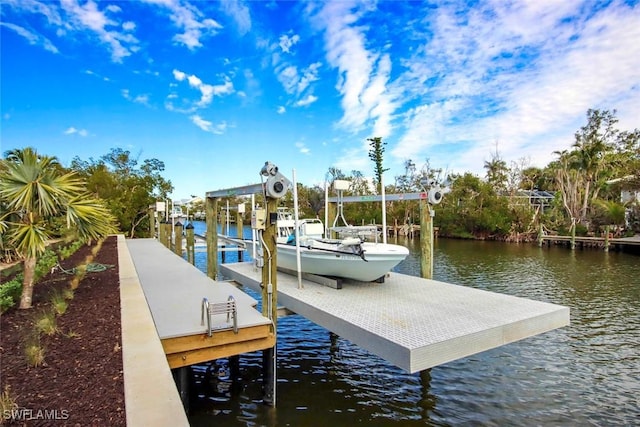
[[581, 189]]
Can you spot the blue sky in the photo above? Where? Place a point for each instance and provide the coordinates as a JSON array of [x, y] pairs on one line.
[[215, 89]]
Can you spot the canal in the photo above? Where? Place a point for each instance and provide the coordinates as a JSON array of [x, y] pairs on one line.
[[585, 374]]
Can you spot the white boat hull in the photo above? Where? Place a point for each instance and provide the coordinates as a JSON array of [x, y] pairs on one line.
[[380, 259]]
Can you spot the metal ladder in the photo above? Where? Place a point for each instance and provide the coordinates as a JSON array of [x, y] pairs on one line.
[[211, 309]]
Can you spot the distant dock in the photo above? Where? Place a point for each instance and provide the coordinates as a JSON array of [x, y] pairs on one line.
[[588, 241]]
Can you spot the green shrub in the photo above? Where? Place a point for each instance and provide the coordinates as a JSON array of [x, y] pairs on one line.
[[581, 230], [10, 294], [66, 251], [45, 263]]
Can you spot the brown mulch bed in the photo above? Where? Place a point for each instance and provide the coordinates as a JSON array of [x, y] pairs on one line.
[[81, 381]]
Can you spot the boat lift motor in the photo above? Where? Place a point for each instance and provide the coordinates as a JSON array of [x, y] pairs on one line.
[[277, 184]]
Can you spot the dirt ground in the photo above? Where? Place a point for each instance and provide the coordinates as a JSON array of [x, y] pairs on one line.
[[80, 382]]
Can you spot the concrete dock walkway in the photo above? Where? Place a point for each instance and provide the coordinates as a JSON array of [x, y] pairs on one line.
[[161, 300]]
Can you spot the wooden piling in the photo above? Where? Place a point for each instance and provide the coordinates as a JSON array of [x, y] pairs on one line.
[[165, 235], [270, 297], [191, 244], [426, 240], [541, 236], [270, 270], [152, 223], [211, 209], [161, 231], [177, 239]]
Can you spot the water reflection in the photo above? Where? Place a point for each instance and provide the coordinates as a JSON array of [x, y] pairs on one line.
[[584, 374]]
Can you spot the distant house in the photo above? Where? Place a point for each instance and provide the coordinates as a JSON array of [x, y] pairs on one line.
[[629, 193], [630, 188]]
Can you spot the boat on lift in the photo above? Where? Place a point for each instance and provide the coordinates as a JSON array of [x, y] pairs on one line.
[[348, 257]]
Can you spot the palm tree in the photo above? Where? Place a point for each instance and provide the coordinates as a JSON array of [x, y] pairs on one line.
[[614, 212], [497, 172], [35, 190], [590, 150]]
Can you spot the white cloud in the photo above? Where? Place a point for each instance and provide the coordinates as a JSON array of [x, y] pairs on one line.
[[32, 38], [281, 109], [240, 14], [310, 99], [93, 73], [289, 78], [179, 75], [48, 10], [188, 18], [208, 126], [521, 75], [139, 99], [129, 26], [69, 17], [363, 74], [89, 17], [302, 148], [207, 91], [299, 84], [286, 42], [73, 131]]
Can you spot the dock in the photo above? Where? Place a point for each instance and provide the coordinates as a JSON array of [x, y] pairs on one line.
[[591, 240], [411, 322], [174, 290]]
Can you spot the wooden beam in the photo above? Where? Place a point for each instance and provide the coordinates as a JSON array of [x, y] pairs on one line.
[[269, 271], [192, 357], [218, 338]]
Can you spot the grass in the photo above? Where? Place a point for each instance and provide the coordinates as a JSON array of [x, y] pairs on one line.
[[7, 404], [46, 323], [67, 294], [34, 352], [59, 303], [72, 334]]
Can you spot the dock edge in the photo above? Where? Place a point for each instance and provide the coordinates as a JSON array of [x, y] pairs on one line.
[[151, 395]]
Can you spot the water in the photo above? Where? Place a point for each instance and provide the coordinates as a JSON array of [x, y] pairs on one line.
[[585, 374]]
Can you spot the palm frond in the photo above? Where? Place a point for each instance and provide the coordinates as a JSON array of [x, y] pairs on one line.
[[29, 240], [90, 218]]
